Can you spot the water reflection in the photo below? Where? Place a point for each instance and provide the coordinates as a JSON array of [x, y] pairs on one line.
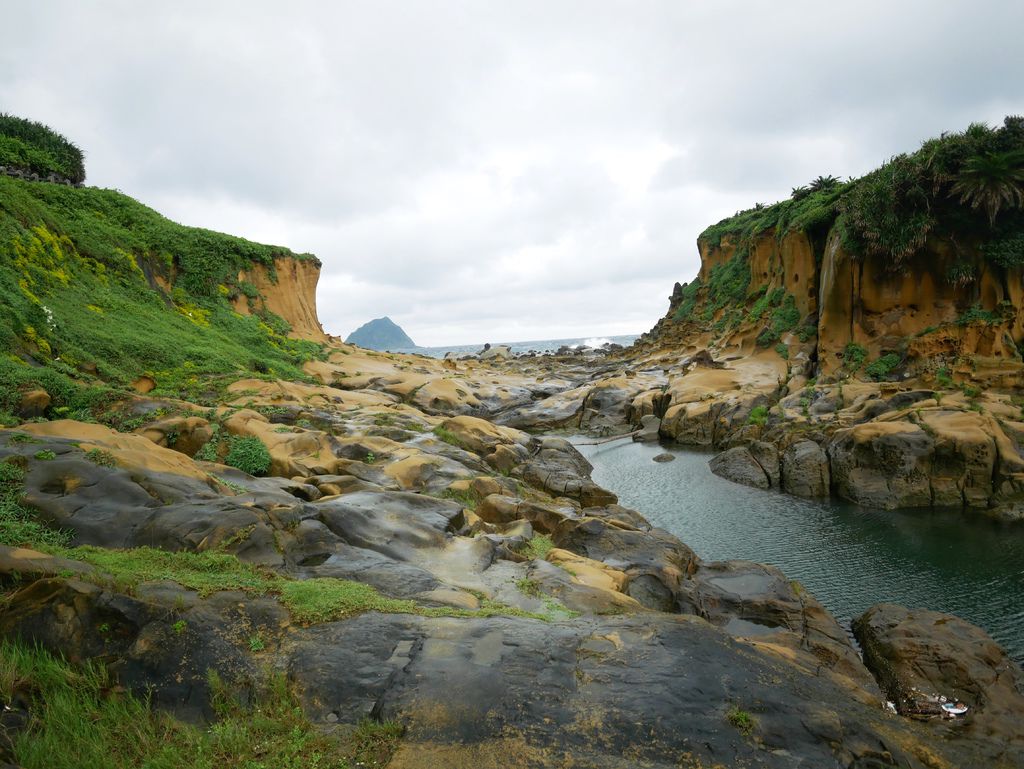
[[849, 557]]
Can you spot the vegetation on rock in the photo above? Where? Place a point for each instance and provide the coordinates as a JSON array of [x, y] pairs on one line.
[[249, 454], [968, 186], [34, 147]]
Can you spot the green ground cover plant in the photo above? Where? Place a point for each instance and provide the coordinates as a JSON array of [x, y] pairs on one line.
[[248, 454], [74, 721]]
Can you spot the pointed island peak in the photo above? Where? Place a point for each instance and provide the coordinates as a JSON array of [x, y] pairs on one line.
[[381, 334]]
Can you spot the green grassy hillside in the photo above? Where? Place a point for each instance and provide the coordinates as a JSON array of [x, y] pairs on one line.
[[98, 289]]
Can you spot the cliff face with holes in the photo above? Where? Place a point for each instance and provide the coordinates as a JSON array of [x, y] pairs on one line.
[[968, 328]]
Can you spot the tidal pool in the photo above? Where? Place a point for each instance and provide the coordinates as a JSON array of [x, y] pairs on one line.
[[849, 557]]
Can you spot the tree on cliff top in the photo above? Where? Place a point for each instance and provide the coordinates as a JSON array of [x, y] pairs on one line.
[[991, 181]]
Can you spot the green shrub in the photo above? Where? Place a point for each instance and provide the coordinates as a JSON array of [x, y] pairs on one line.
[[975, 314], [71, 256], [684, 311], [758, 416], [101, 458], [854, 355], [963, 186], [880, 369], [538, 547], [740, 719], [727, 284], [447, 436], [248, 454], [782, 350]]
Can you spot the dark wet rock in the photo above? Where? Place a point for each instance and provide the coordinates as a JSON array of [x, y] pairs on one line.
[[391, 523], [153, 654], [738, 465], [882, 465], [767, 456], [112, 507], [550, 412], [918, 655], [647, 557], [561, 470], [703, 359], [753, 599], [664, 458], [805, 470], [660, 687]]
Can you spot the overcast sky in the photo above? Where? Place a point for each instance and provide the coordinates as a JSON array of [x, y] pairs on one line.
[[497, 171]]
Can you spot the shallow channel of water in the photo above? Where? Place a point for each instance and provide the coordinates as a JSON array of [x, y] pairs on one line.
[[849, 557]]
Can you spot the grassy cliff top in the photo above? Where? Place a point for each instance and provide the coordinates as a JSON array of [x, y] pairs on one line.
[[33, 146], [966, 186], [96, 287]]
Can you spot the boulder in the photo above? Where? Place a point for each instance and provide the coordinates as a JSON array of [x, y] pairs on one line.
[[919, 655], [650, 424], [738, 465], [767, 455], [184, 434], [499, 351], [882, 464], [33, 404], [805, 470]]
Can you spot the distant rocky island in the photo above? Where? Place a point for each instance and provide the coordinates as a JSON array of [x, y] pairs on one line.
[[381, 334]]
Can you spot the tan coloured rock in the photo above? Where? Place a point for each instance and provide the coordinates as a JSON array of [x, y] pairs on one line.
[[482, 437], [587, 571], [184, 434], [132, 452], [304, 453], [33, 404]]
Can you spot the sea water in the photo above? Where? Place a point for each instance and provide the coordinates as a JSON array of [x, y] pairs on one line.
[[538, 346], [848, 557]]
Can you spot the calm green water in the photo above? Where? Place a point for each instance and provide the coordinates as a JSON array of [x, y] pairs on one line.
[[849, 557]]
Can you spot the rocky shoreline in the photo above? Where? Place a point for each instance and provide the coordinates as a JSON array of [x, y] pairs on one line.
[[406, 558]]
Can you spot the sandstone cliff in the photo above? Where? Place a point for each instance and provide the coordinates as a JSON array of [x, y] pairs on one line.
[[287, 290], [972, 329]]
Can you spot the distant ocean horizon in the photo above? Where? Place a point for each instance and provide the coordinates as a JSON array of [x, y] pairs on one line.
[[537, 345]]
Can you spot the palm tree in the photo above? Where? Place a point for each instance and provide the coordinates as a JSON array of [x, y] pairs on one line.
[[824, 183], [992, 181]]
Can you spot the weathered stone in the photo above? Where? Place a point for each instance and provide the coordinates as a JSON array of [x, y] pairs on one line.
[[919, 655], [805, 470], [738, 465]]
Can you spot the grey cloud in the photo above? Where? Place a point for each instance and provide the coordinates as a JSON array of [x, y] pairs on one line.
[[485, 170]]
